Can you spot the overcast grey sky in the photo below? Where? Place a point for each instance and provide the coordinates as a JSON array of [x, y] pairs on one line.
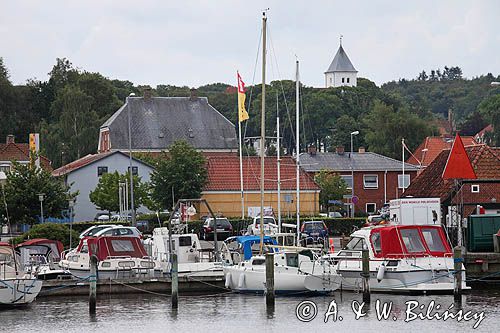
[[198, 42]]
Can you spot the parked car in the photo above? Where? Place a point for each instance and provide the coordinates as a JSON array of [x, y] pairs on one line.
[[313, 232], [334, 214], [102, 217], [95, 229], [224, 229], [270, 226], [119, 231]]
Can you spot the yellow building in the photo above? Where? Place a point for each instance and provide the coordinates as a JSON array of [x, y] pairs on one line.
[[223, 193]]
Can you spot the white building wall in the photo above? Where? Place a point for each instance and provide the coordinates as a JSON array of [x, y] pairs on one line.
[[334, 79], [85, 180]]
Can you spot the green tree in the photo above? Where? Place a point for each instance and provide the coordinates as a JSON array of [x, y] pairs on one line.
[[24, 184], [105, 196], [343, 128], [490, 110], [53, 231], [332, 186], [182, 172]]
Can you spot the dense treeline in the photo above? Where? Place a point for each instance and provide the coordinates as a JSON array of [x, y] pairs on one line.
[[69, 107]]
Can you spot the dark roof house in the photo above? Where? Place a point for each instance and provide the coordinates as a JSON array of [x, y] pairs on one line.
[[20, 152], [157, 122]]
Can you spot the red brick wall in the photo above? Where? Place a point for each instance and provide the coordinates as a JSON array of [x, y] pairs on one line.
[[376, 196]]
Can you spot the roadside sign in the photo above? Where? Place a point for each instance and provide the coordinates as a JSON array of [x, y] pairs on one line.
[[347, 196]]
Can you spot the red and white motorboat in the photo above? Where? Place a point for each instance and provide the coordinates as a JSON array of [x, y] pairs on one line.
[[403, 258], [118, 257]]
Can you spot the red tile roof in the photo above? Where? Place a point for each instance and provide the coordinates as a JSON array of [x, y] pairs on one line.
[[224, 174], [429, 183], [14, 151], [70, 167], [434, 145]]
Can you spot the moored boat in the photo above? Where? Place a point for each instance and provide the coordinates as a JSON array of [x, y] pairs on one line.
[[403, 259], [16, 287]]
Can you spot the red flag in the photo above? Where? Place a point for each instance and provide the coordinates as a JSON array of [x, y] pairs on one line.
[[458, 165]]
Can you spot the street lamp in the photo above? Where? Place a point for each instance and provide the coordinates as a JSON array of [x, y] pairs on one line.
[[40, 198], [130, 161], [352, 175]]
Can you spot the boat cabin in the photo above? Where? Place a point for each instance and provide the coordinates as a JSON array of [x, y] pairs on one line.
[[242, 248], [40, 251], [399, 241], [9, 261]]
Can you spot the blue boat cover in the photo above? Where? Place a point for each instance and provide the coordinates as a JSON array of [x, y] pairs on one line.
[[247, 242]]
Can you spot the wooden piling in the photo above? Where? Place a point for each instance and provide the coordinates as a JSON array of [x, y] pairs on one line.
[[93, 284], [366, 275], [174, 273], [457, 263], [269, 279]]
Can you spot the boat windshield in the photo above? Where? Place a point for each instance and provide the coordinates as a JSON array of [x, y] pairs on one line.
[[412, 241], [433, 240], [355, 244]]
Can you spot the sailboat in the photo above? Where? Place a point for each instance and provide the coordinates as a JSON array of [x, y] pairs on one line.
[[296, 270], [16, 287]]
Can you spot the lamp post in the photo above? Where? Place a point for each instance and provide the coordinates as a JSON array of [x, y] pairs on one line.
[[132, 207], [352, 175], [40, 198]]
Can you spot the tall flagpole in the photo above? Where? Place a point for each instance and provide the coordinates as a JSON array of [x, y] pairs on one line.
[[297, 149], [241, 173]]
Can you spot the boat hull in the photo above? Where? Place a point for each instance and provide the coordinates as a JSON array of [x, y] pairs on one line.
[[19, 292]]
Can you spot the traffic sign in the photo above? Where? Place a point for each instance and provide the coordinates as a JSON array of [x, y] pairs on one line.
[[355, 200]]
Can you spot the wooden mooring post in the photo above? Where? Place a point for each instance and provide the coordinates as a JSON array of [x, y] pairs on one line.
[[366, 275], [457, 263], [174, 273], [270, 279], [93, 284]]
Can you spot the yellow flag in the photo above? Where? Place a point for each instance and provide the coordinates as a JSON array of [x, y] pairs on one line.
[[242, 112]]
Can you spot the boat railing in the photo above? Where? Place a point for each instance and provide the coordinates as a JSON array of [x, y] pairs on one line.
[[118, 257]]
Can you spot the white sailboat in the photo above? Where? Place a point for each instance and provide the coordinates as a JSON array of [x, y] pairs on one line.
[[16, 287], [296, 270]]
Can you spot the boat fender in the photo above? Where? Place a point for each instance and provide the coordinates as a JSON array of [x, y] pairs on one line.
[[228, 280], [241, 281], [380, 273]]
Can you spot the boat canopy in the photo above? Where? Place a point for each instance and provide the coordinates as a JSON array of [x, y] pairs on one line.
[[113, 246], [55, 245], [397, 241], [248, 241]]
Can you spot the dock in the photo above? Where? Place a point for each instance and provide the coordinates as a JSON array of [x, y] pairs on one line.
[[482, 266], [161, 285]]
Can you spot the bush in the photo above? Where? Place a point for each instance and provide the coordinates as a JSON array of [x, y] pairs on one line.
[[53, 231]]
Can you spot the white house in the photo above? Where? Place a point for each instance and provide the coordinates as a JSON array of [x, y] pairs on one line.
[[84, 173], [341, 72]]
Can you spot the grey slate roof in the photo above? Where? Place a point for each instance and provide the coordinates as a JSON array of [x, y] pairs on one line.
[[341, 63], [367, 161], [157, 122]]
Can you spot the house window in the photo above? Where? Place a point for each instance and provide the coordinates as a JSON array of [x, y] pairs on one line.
[[403, 181], [475, 188], [348, 181], [330, 80], [101, 170], [371, 208], [347, 80], [135, 170], [343, 80], [370, 181], [5, 167]]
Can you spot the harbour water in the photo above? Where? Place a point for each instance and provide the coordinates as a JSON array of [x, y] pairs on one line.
[[248, 313]]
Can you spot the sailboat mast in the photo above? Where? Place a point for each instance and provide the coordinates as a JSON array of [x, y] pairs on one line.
[[297, 148], [262, 131], [278, 161], [241, 172]]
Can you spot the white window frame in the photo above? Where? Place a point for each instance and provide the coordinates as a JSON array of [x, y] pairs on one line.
[[370, 187], [474, 188], [352, 181], [374, 209], [6, 165], [400, 176]]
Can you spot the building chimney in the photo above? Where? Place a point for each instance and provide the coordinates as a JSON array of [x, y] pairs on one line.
[[10, 139], [361, 150], [147, 93], [340, 150], [194, 94], [311, 150]]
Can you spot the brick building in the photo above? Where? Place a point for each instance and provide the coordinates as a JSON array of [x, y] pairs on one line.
[[376, 178]]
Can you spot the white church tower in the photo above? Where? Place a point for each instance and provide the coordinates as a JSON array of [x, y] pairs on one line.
[[341, 71]]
